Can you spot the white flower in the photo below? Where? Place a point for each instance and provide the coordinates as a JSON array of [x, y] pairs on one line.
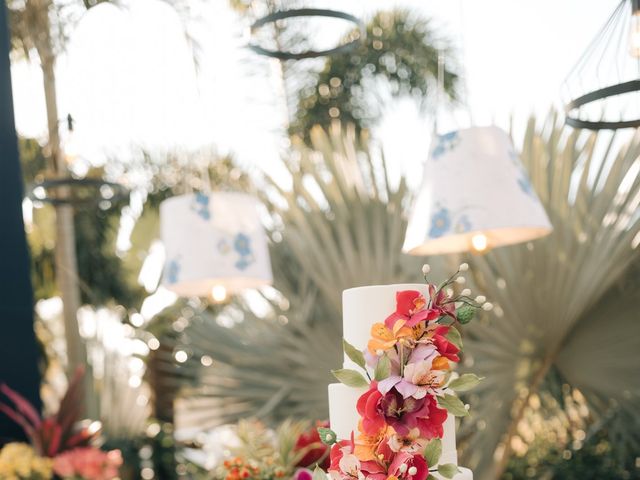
[[466, 292], [426, 269], [350, 464], [487, 306], [461, 280], [481, 299], [463, 267]]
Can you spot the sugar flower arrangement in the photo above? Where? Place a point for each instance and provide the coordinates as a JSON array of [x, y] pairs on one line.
[[406, 369]]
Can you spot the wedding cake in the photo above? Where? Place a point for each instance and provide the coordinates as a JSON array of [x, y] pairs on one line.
[[393, 414]]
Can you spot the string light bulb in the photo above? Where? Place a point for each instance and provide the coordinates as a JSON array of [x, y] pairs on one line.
[[219, 294], [479, 243]]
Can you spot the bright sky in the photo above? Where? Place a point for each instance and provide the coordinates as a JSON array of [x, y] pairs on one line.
[[128, 76]]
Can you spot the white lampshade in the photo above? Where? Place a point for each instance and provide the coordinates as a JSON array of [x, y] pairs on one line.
[[475, 195], [215, 244]]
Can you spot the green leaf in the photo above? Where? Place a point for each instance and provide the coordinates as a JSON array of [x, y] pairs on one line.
[[383, 368], [353, 353], [351, 378], [319, 474], [453, 405], [453, 335], [465, 314], [448, 470], [446, 320], [431, 477], [464, 382], [327, 436], [432, 451]]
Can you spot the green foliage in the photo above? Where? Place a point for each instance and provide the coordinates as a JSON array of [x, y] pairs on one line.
[[400, 52], [464, 382], [433, 451], [597, 458], [353, 353], [453, 405], [564, 314], [448, 470], [103, 278], [350, 378], [383, 368]]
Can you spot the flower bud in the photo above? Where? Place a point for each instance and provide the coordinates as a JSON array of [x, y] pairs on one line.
[[466, 292], [481, 299], [461, 280], [426, 269], [487, 306], [403, 468], [379, 352], [413, 471], [463, 267]]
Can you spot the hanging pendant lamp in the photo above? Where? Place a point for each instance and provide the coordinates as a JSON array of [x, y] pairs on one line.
[[602, 91], [475, 195], [215, 245]]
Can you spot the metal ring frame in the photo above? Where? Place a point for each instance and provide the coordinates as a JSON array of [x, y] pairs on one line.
[[119, 191], [601, 94], [306, 12]]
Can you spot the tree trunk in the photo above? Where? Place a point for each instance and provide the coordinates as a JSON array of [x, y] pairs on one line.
[[65, 253]]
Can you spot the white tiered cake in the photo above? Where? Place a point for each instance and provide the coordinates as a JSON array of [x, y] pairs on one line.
[[362, 307]]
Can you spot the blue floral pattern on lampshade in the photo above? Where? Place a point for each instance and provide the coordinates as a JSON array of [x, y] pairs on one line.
[[446, 143], [173, 271], [200, 205], [242, 245], [440, 223], [444, 221]]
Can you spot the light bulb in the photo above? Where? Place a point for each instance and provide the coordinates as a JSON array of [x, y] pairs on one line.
[[479, 242], [219, 293], [634, 35]]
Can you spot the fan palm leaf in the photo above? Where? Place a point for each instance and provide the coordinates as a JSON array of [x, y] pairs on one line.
[[340, 225], [560, 316]]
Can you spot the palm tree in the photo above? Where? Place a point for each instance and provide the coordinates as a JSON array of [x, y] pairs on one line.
[[32, 31], [398, 57]]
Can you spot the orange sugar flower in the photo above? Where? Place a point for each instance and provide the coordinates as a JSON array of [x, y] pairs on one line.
[[383, 338], [366, 445]]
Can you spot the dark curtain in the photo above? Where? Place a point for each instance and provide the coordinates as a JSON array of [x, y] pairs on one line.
[[18, 351]]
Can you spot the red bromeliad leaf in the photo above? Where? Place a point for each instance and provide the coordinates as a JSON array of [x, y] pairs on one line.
[[54, 441], [18, 418], [23, 405], [71, 404]]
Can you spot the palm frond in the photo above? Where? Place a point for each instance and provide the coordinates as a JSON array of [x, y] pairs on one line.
[[340, 225], [557, 304]]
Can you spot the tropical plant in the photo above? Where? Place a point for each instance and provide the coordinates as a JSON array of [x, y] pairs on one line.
[[399, 57], [339, 226], [565, 319], [564, 322], [56, 433]]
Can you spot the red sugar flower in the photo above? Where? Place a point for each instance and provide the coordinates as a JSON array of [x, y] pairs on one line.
[[410, 307]]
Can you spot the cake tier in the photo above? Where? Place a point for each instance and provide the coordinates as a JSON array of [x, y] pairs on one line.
[[364, 306], [343, 418]]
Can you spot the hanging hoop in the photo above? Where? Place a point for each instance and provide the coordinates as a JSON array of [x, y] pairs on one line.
[[602, 94], [77, 192], [307, 12]]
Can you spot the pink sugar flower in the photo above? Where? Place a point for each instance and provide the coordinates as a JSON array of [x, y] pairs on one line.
[[88, 463]]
